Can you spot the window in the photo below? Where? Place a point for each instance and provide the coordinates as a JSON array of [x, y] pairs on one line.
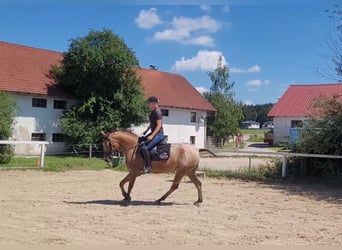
[[38, 137], [58, 137], [59, 104], [192, 139], [165, 112], [39, 103], [193, 117], [296, 124]]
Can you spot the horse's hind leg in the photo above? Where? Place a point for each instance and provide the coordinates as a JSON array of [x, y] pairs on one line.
[[198, 184], [174, 186]]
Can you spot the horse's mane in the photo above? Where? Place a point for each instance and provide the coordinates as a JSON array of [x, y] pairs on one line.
[[128, 131]]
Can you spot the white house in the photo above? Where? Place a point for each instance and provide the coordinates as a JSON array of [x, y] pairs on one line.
[[24, 75], [295, 106], [250, 125], [184, 108]]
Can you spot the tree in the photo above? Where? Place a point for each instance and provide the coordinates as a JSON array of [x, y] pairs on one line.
[[99, 70], [257, 112], [225, 122], [332, 69], [327, 130], [7, 114]]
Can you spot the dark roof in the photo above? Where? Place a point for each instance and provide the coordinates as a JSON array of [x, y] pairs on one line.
[[25, 70], [297, 100]]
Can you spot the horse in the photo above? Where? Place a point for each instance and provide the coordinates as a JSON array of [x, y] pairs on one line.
[[183, 160]]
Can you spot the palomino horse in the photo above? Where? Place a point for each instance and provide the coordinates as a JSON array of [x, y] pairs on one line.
[[184, 160]]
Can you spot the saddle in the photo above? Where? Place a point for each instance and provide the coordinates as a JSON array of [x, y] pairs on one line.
[[161, 152]]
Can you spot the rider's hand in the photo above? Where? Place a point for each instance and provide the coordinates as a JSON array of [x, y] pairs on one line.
[[149, 138]]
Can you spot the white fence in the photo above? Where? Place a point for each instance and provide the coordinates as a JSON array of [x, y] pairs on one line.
[[283, 156], [41, 143]]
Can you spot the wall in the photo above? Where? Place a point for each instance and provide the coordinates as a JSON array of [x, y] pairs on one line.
[[282, 127], [37, 120], [177, 125], [178, 128]]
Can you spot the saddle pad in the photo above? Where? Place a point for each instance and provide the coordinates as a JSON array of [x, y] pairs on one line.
[[161, 152]]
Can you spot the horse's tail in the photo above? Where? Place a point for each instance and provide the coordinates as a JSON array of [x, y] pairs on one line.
[[207, 150]]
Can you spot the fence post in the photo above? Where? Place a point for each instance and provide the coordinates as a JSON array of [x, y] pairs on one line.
[[250, 163], [42, 154], [283, 169], [90, 150]]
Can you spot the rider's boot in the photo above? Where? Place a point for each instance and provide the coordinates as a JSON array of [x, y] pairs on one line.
[[146, 155]]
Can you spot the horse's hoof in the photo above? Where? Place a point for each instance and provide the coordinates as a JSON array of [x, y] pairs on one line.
[[127, 199], [157, 202], [197, 203]]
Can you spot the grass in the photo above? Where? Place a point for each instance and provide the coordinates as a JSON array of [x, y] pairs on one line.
[[254, 174], [56, 163], [270, 173], [254, 131]]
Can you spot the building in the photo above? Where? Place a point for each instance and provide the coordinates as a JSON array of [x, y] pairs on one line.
[[250, 125], [24, 74], [184, 108], [295, 106]]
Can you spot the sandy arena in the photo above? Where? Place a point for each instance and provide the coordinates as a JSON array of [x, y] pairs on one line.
[[85, 208]]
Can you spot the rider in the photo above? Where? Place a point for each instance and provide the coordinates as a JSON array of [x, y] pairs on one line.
[[155, 136]]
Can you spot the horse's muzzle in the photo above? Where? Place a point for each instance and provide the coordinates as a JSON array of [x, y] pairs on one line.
[[108, 159]]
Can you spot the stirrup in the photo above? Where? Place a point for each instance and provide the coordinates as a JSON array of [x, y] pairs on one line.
[[146, 170]]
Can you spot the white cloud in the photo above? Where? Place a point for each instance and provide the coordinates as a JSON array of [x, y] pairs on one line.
[[204, 60], [148, 18], [191, 24], [205, 7], [253, 69], [248, 102], [257, 83], [201, 40], [254, 83], [190, 31], [202, 90]]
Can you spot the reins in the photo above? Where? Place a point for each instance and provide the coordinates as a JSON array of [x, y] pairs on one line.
[[120, 150]]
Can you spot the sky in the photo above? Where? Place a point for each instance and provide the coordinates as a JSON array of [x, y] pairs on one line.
[[267, 45]]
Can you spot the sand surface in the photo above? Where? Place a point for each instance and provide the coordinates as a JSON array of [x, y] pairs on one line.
[[86, 208]]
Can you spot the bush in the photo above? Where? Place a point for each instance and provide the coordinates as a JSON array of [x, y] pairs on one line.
[[6, 153], [322, 136], [7, 113]]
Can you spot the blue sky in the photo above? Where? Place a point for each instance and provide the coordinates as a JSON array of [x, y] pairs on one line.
[[267, 45]]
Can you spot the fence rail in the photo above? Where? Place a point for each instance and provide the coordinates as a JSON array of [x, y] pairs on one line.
[[41, 143], [283, 156]]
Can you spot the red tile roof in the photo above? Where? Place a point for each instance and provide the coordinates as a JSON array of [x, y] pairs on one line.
[[172, 90], [24, 70], [297, 100]]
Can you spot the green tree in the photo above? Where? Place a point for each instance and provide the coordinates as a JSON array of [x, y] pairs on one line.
[[225, 122], [7, 114], [257, 112], [326, 128], [99, 70]]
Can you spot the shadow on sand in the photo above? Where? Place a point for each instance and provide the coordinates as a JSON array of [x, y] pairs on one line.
[[123, 203]]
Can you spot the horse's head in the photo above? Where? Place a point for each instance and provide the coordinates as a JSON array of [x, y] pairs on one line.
[[110, 146]]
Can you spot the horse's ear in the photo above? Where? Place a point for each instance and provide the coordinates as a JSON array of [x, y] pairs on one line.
[[103, 134]]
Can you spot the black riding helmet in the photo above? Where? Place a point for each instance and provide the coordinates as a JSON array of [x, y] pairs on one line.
[[153, 99]]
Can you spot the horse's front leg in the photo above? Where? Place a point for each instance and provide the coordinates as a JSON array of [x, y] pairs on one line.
[[130, 186], [131, 179]]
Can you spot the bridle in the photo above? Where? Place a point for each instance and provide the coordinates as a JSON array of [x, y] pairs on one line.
[[116, 149]]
